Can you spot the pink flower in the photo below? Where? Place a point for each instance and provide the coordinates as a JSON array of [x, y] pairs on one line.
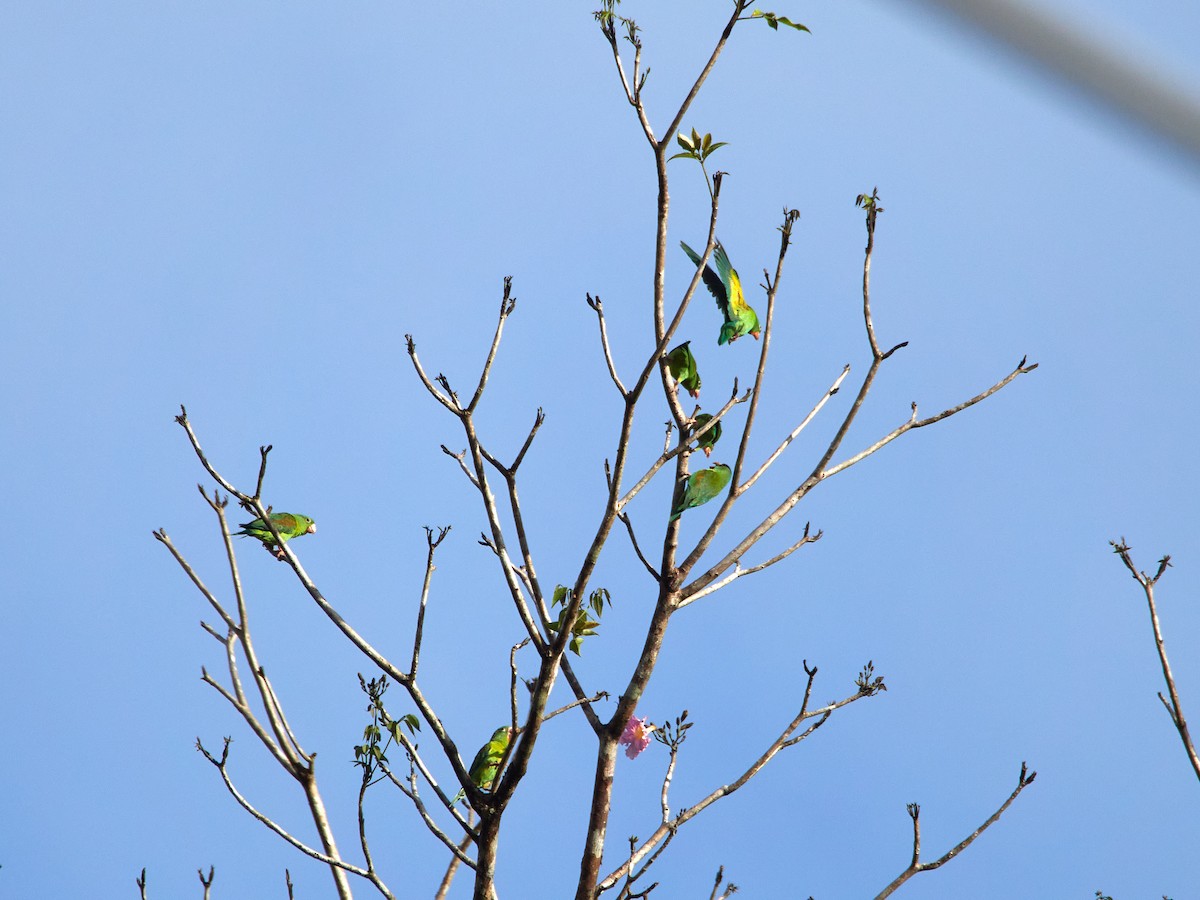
[[636, 735]]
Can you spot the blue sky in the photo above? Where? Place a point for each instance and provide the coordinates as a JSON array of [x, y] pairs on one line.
[[244, 208]]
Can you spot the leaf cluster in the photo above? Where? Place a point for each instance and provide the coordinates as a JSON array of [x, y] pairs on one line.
[[373, 751], [697, 147], [584, 625]]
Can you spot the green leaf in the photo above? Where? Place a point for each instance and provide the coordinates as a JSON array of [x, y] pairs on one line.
[[786, 21], [774, 20]]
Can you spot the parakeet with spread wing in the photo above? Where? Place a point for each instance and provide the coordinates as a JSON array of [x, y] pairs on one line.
[[726, 287]]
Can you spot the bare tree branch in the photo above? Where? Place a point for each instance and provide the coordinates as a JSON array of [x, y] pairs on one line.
[[624, 517], [444, 888], [507, 304], [332, 862], [737, 571], [595, 304], [914, 810], [1173, 706], [432, 543], [785, 739], [461, 457]]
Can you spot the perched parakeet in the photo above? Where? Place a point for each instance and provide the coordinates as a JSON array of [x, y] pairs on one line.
[[485, 767], [709, 437], [287, 524], [726, 286], [701, 487], [682, 366]]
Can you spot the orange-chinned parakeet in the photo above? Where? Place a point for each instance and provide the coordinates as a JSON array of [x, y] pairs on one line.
[[682, 366], [701, 487], [288, 525], [709, 437], [486, 765], [726, 286]]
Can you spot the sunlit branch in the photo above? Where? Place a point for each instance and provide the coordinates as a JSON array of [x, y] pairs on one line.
[[412, 793], [161, 536], [914, 810], [784, 740], [221, 766], [462, 461], [599, 695], [507, 304], [668, 455], [512, 665], [914, 422], [183, 420], [833, 389], [1173, 707], [663, 332], [595, 304], [739, 7], [729, 891], [624, 517], [444, 888], [537, 423], [432, 544], [429, 386], [372, 875], [737, 571], [632, 93], [736, 489], [279, 720]]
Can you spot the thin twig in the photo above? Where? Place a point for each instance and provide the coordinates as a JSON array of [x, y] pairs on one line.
[[624, 517], [432, 543], [595, 304], [220, 765], [784, 740], [914, 810], [1173, 707], [507, 304], [444, 888]]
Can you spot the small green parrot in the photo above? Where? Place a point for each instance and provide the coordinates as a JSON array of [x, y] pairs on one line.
[[682, 366], [726, 286], [288, 525], [701, 487], [486, 765], [709, 437]]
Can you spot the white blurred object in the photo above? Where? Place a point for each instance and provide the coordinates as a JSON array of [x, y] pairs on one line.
[[1119, 80]]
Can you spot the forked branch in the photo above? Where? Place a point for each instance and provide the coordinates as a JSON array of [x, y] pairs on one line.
[[868, 686], [1173, 707], [914, 810]]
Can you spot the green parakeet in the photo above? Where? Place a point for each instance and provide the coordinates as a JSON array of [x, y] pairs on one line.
[[486, 765], [726, 286], [709, 437], [288, 525], [701, 487], [682, 366]]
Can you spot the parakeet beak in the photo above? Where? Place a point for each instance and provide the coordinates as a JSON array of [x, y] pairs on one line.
[[312, 528]]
